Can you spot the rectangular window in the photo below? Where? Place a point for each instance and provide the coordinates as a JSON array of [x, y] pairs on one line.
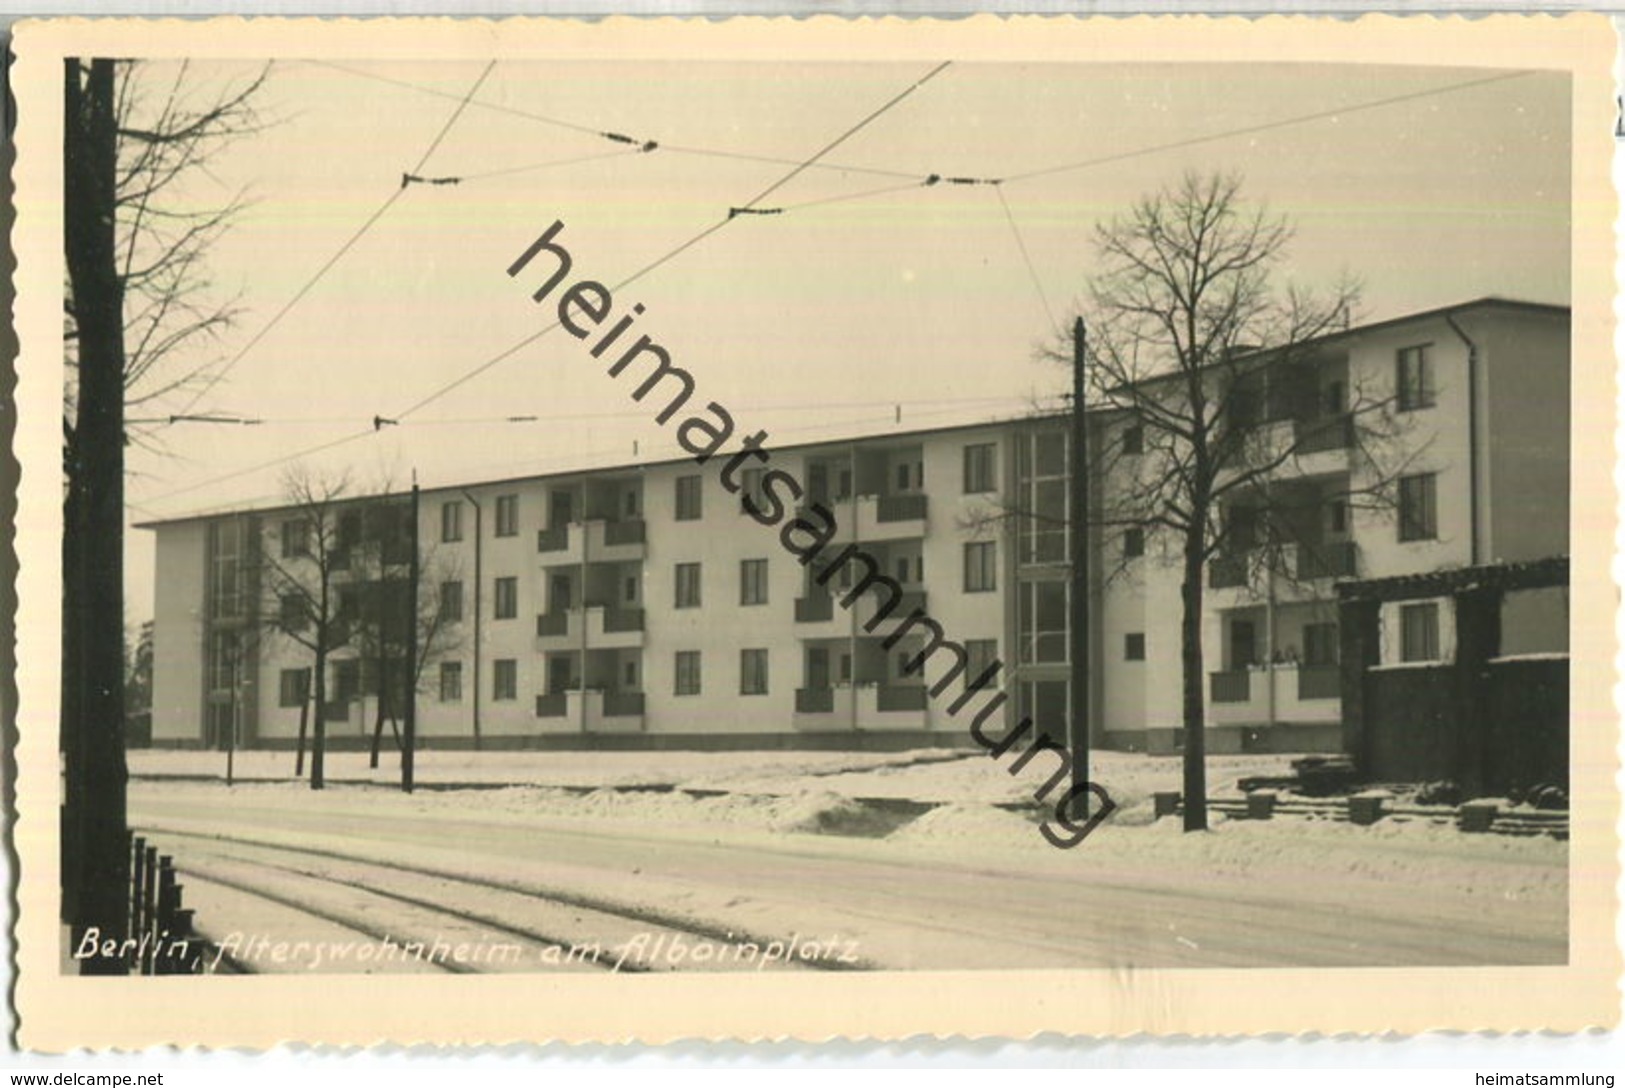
[[1041, 620], [688, 585], [505, 600], [293, 614], [1134, 646], [980, 465], [753, 581], [981, 566], [504, 679], [1419, 632], [451, 602], [1337, 517], [1414, 380], [451, 522], [295, 538], [1319, 644], [980, 653], [451, 681], [1134, 440], [291, 689], [687, 673], [1418, 513], [750, 489], [346, 680], [629, 589], [1133, 543], [688, 498], [753, 672], [507, 515]]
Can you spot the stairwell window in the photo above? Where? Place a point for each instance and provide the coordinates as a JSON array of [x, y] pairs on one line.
[[688, 585], [981, 566], [1418, 507], [1414, 378], [1133, 543], [980, 462], [1134, 646], [451, 681]]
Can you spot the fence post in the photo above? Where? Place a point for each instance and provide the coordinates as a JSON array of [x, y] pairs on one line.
[[138, 857]]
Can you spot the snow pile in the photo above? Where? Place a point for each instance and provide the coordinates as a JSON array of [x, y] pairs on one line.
[[825, 812], [961, 822]]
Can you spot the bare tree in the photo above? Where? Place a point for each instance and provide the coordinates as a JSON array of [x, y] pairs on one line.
[[301, 559], [1212, 391]]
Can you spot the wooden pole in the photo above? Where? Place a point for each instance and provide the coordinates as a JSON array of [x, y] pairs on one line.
[[1078, 690], [409, 749]]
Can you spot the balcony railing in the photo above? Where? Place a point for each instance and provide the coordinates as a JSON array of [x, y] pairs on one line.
[[1227, 570], [904, 507], [1316, 435], [630, 531], [1230, 687], [1320, 682], [623, 619], [551, 706], [815, 700], [552, 623], [815, 609], [1335, 559], [553, 540], [623, 704], [901, 697]]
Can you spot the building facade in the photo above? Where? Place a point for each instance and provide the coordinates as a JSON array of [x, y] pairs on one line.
[[657, 605]]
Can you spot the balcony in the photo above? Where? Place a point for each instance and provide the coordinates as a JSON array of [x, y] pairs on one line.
[[1230, 687], [595, 541], [1320, 435], [1280, 693], [892, 706], [823, 710], [869, 606], [818, 608], [1225, 571], [607, 628], [623, 704], [1335, 559], [890, 517], [815, 700], [552, 706]]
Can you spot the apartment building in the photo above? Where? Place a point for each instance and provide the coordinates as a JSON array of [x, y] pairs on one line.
[[646, 605]]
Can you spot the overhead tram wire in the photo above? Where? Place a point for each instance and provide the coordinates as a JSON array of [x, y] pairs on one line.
[[349, 243], [214, 380], [673, 253], [1021, 244]]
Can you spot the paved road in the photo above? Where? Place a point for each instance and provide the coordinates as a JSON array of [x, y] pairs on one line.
[[902, 908]]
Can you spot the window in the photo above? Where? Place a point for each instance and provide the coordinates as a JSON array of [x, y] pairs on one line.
[[346, 680], [753, 581], [291, 691], [1042, 492], [687, 676], [294, 614], [1419, 632], [1134, 646], [980, 566], [505, 604], [753, 672], [630, 672], [1041, 621], [295, 539], [507, 515], [1414, 380], [1133, 543], [1134, 440], [451, 681], [504, 679], [980, 461], [1418, 514], [1331, 399], [629, 589], [451, 602], [750, 489], [688, 498], [630, 503], [1319, 644], [451, 522], [904, 660], [980, 653], [688, 585], [1337, 517]]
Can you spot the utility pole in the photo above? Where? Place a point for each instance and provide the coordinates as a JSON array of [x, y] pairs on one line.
[[409, 751], [479, 581], [1078, 619]]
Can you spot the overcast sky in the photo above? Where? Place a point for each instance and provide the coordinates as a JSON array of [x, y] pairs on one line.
[[825, 319]]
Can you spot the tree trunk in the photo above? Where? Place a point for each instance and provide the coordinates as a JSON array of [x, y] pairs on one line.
[[93, 721], [299, 745], [1190, 648]]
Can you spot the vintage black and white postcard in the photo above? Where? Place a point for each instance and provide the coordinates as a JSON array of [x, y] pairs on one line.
[[654, 529]]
